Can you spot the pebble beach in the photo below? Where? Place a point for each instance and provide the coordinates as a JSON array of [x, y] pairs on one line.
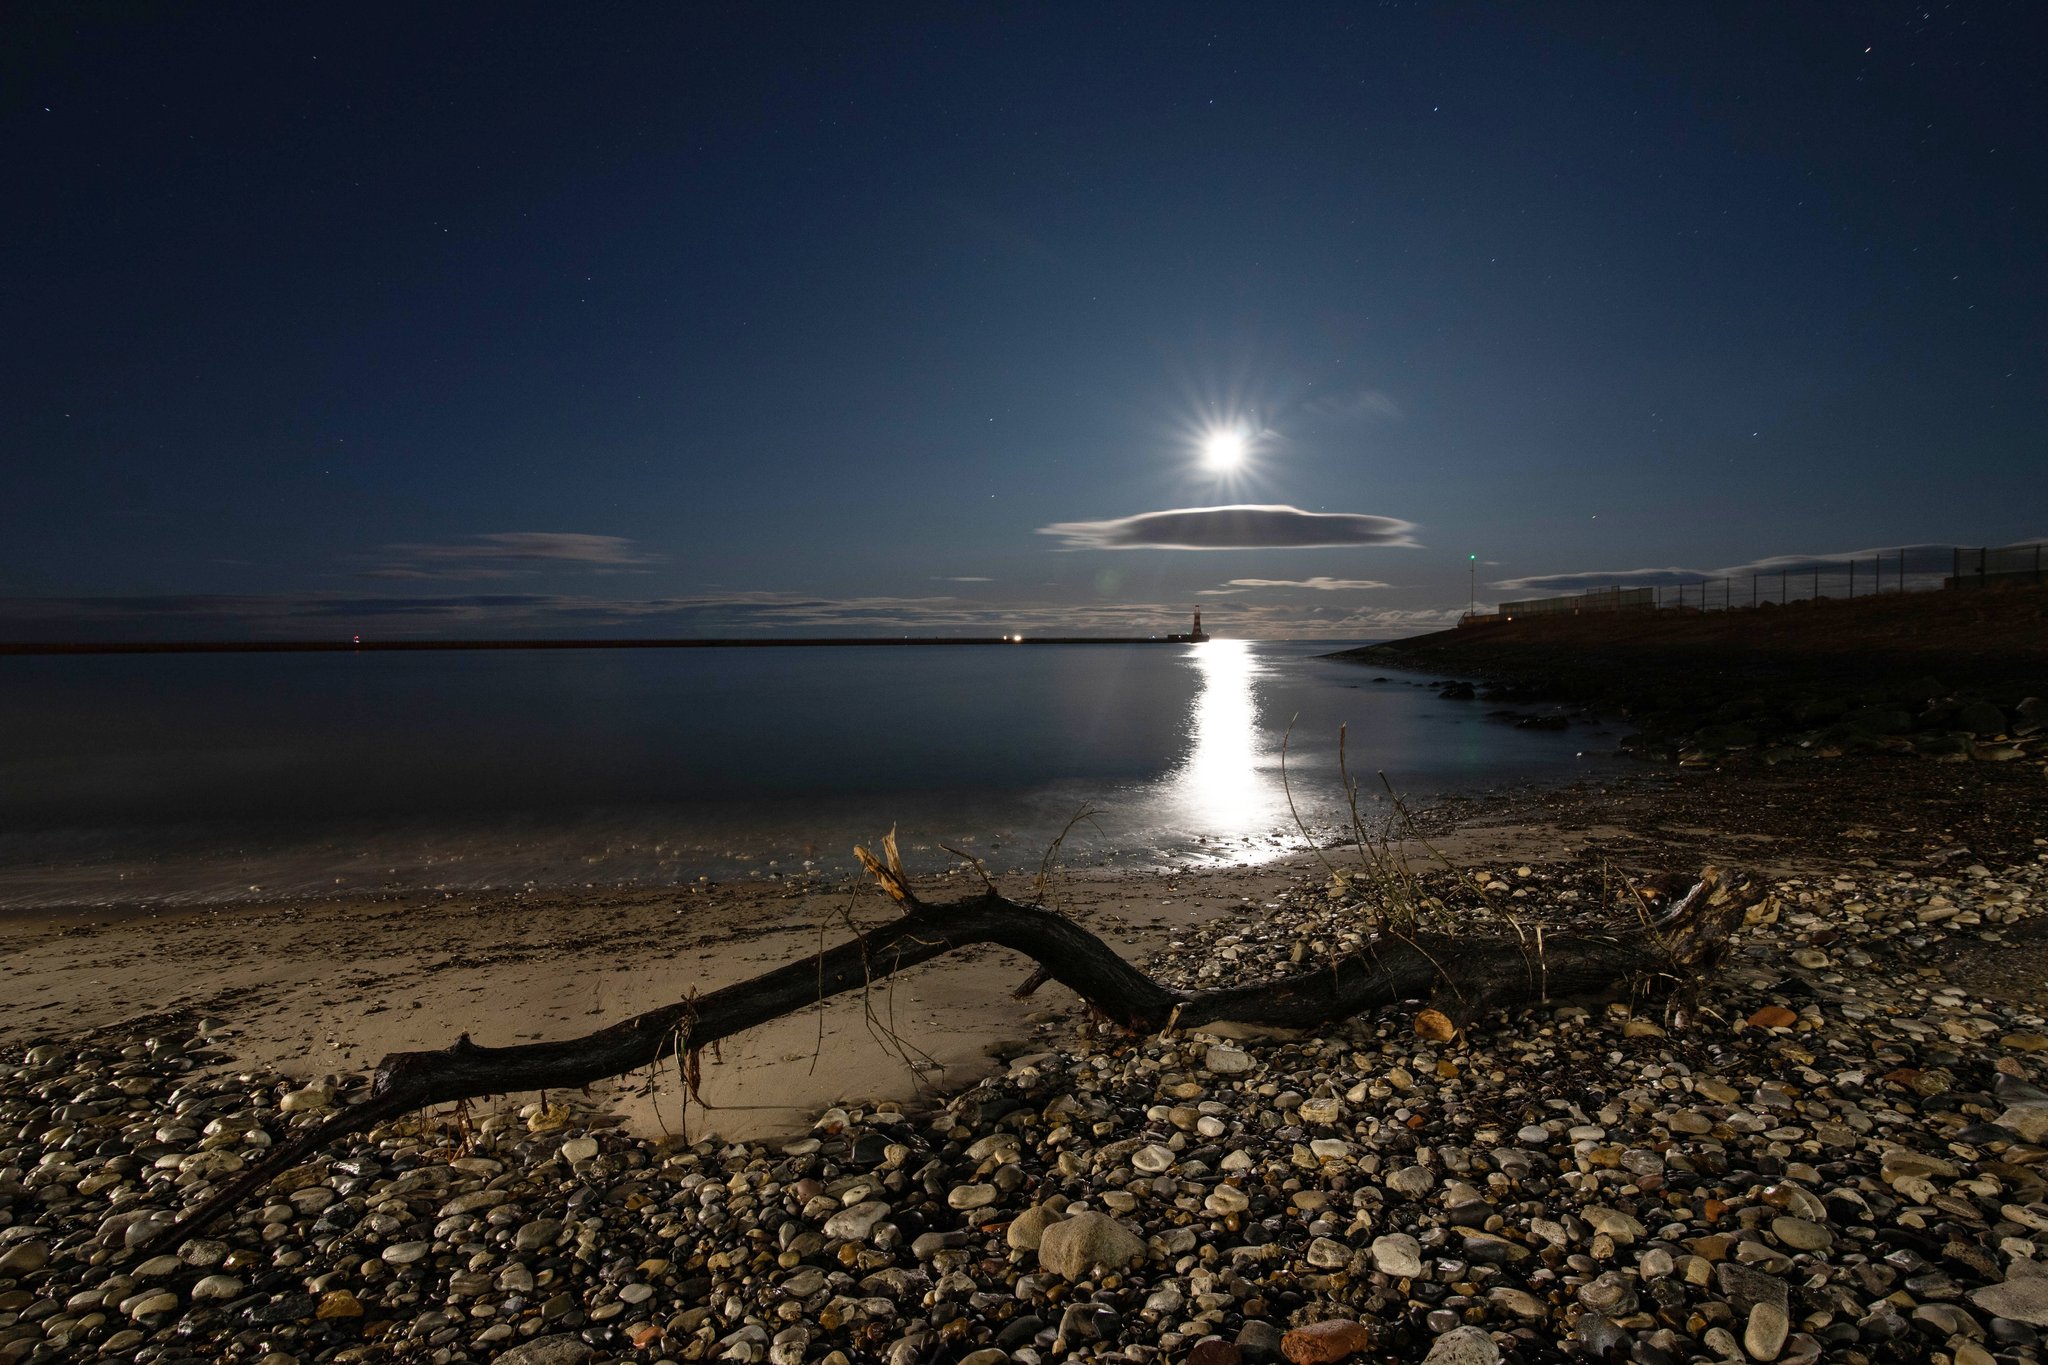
[[1833, 1151]]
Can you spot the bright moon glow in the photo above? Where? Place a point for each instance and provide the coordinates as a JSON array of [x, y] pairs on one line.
[[1223, 450]]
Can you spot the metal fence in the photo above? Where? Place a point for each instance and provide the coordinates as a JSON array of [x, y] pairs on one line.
[[1981, 567], [1598, 599], [1923, 568], [1806, 583]]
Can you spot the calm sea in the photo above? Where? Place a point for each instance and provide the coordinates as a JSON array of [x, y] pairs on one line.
[[184, 778]]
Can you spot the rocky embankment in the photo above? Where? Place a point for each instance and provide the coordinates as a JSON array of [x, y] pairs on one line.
[[1952, 676], [1834, 1155], [1915, 718]]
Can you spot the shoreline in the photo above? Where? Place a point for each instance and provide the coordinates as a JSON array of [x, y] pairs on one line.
[[359, 646], [1953, 677], [1678, 1188], [327, 986]]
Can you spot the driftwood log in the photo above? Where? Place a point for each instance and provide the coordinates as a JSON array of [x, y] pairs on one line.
[[1462, 976]]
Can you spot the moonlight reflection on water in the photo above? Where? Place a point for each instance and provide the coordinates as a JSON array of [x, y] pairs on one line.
[[210, 778], [1228, 782]]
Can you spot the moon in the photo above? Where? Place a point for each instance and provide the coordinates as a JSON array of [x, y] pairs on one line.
[[1223, 450]]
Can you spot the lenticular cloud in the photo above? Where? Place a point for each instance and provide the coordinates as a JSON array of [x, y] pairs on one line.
[[1246, 526]]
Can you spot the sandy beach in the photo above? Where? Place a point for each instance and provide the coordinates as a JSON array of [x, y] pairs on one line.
[[329, 988], [1835, 1152], [319, 989]]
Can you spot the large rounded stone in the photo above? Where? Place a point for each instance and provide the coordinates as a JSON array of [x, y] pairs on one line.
[[857, 1222], [1027, 1229], [1086, 1242], [1802, 1234], [972, 1196], [1764, 1336], [24, 1258]]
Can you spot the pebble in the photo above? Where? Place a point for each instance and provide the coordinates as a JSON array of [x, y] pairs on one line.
[[972, 1196], [1322, 1342], [1397, 1254], [24, 1258], [856, 1222], [1326, 1254], [548, 1350], [1764, 1334], [1856, 1182], [1258, 1339], [1086, 1242], [1227, 1199], [1411, 1181], [1225, 1060], [216, 1287], [1802, 1234], [1622, 1228], [1214, 1350], [1323, 1111], [538, 1233], [1463, 1346], [311, 1100], [2028, 1120], [1153, 1158], [1027, 1229]]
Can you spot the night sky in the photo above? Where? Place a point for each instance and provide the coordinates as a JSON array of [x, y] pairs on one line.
[[657, 319]]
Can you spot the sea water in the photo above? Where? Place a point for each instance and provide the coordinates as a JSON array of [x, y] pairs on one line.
[[189, 778]]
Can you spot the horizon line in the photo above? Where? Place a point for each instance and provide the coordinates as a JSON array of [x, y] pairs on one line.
[[325, 646]]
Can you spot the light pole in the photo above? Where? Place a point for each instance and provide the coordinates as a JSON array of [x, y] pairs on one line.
[[1471, 585]]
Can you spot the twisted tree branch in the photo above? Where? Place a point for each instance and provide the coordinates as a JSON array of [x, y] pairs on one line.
[[1463, 975]]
